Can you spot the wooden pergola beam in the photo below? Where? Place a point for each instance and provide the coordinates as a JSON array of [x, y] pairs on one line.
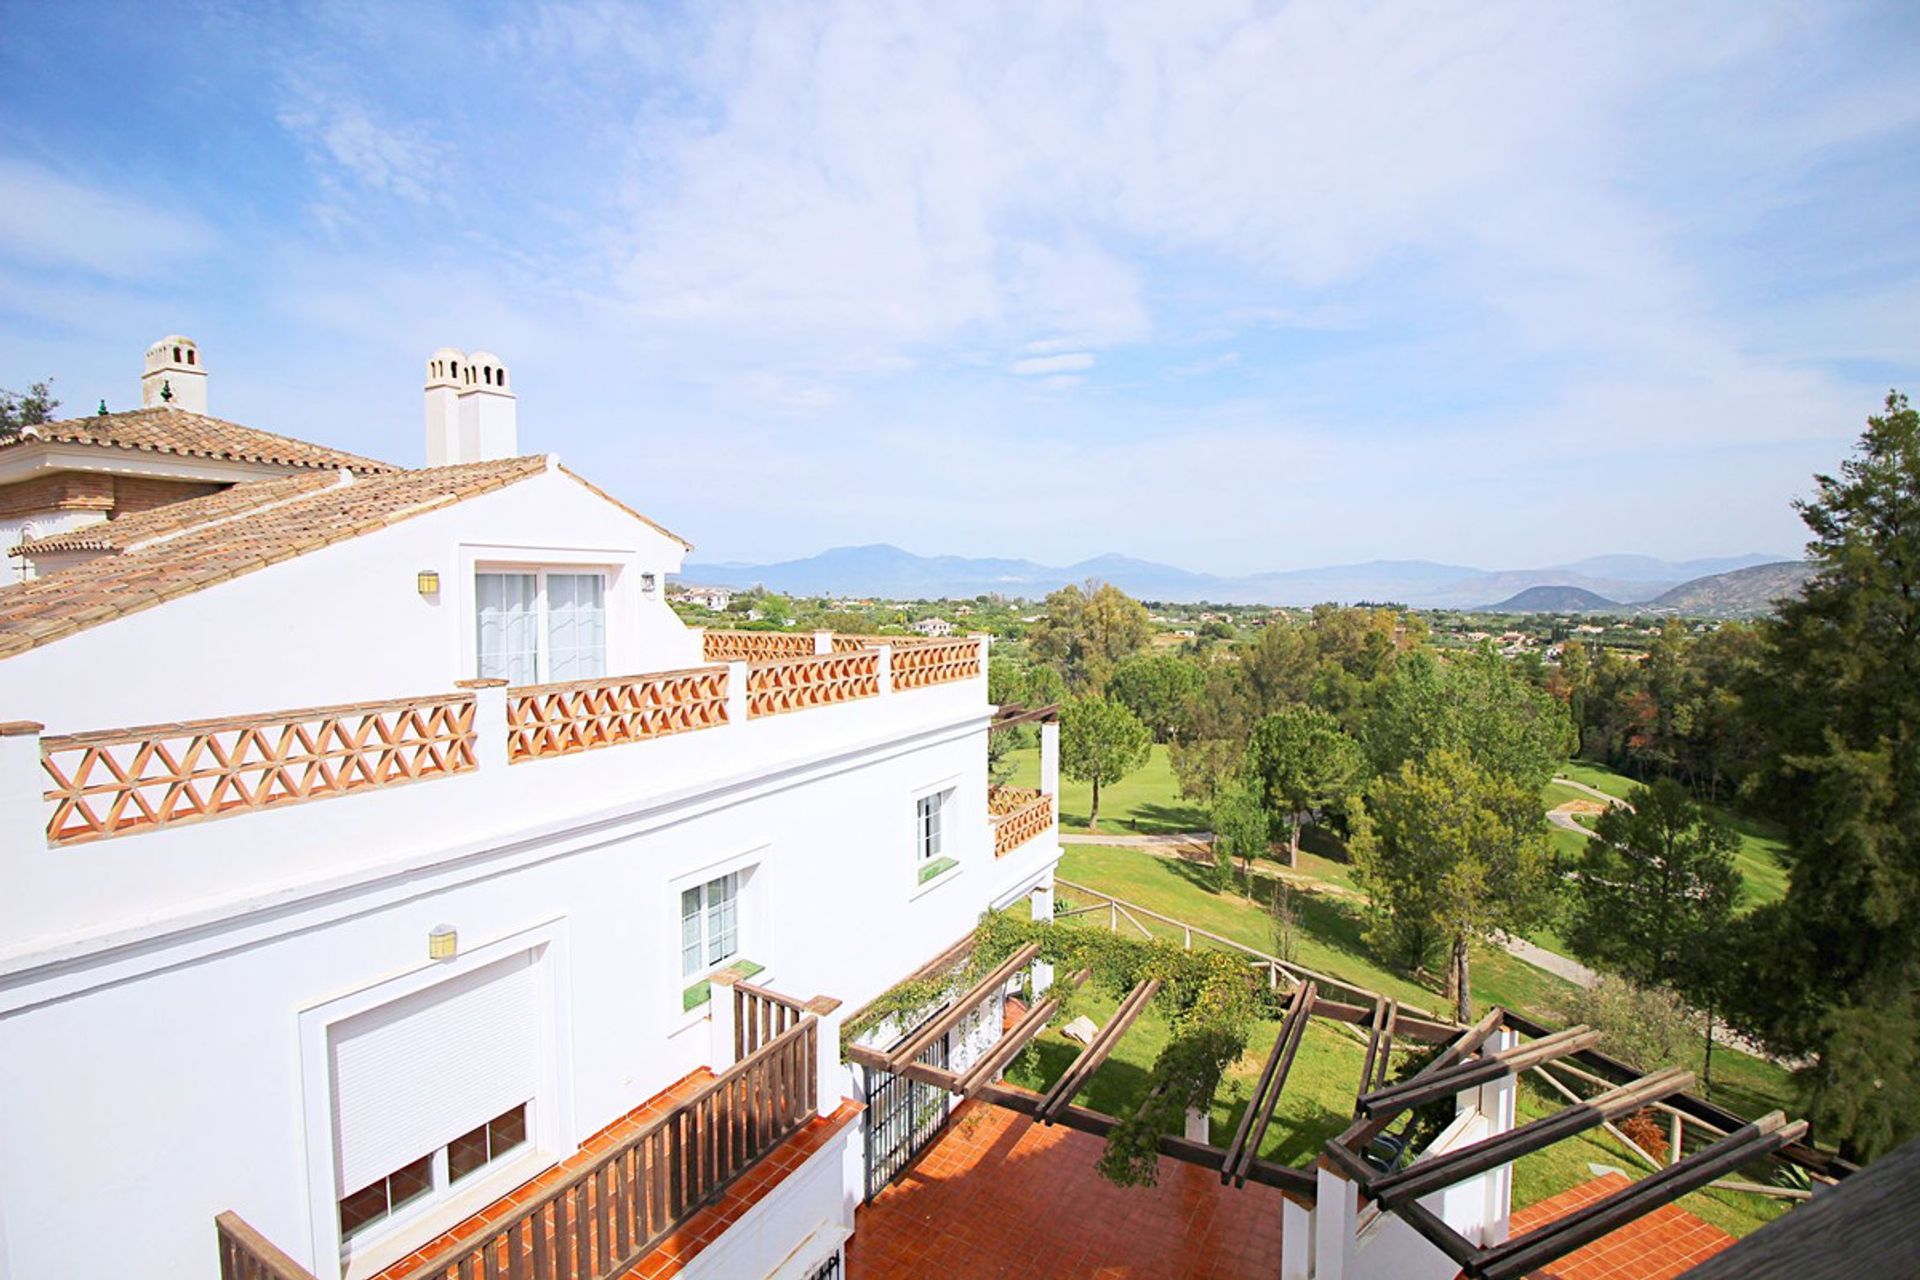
[[1005, 1049], [1424, 1030], [1012, 713], [1412, 1093], [1527, 1253], [1812, 1159], [1266, 1095], [1363, 1131], [1088, 1060], [916, 1043], [1395, 1189], [1299, 1184]]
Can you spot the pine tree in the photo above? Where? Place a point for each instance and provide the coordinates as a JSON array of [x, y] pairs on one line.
[[1837, 691]]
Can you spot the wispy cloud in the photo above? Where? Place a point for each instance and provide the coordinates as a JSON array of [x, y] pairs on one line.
[[49, 219], [1070, 363]]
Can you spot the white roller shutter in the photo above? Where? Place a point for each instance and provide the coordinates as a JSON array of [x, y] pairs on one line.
[[411, 1076]]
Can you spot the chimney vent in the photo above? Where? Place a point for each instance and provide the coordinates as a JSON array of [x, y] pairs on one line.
[[471, 409], [174, 375]]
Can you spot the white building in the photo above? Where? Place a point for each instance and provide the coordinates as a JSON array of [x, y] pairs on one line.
[[379, 845], [933, 628], [714, 598]]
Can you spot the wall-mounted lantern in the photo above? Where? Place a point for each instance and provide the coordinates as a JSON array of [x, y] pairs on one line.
[[428, 581], [443, 942]]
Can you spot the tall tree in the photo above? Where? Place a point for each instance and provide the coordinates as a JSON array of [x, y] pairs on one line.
[[25, 409], [1100, 743], [1086, 632], [1447, 845], [1240, 831], [1656, 887], [1475, 705], [1216, 722], [1157, 688], [1301, 762], [1837, 693]]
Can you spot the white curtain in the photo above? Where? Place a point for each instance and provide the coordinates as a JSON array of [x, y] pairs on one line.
[[576, 626], [507, 606]]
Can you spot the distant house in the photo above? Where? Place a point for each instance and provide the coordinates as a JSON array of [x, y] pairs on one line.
[[934, 628], [714, 598]]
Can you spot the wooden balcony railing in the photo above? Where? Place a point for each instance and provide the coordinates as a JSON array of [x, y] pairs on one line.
[[761, 1016], [581, 715], [245, 1254], [599, 1222], [1031, 816], [756, 646], [916, 666], [796, 684], [117, 781]]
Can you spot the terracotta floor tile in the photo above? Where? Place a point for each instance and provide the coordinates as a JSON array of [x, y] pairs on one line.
[[966, 1209], [1663, 1243]]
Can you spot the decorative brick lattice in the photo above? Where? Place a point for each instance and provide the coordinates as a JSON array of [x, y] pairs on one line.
[[582, 715], [935, 662], [1004, 800], [756, 646], [796, 684], [1013, 829], [120, 781]]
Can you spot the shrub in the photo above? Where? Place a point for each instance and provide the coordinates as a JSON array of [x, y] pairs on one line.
[[1649, 1027]]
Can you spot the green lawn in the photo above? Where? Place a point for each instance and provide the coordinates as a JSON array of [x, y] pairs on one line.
[[1327, 938], [1145, 802]]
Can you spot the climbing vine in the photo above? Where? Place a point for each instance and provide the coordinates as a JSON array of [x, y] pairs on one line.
[[1207, 997]]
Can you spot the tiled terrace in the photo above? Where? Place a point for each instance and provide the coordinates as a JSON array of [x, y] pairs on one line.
[[1664, 1243], [966, 1209], [698, 1231]]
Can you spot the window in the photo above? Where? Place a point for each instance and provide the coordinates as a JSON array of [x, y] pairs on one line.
[[927, 825], [471, 1152], [535, 627], [465, 1155], [709, 925], [381, 1200]]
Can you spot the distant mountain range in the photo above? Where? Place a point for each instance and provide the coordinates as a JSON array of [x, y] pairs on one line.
[[884, 571]]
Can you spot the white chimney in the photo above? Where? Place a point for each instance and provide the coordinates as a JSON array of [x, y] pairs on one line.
[[174, 376], [471, 411]]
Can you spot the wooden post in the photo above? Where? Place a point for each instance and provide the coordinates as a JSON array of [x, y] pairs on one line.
[[723, 1025]]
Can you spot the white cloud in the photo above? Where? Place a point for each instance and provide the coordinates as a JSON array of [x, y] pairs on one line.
[[346, 141], [52, 220], [1054, 364]]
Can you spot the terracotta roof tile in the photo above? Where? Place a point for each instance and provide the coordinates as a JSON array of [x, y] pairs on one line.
[[171, 562], [193, 435], [123, 531]]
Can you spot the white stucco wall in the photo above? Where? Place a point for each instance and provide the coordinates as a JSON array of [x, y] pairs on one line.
[[164, 1075], [346, 623]]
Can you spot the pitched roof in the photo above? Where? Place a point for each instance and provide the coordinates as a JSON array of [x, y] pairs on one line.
[[192, 435], [168, 562], [125, 531]]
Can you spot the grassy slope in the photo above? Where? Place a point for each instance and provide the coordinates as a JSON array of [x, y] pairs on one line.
[[1145, 802], [1760, 857]]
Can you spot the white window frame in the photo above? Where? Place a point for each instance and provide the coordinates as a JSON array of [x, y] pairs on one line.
[[707, 962], [551, 1129], [950, 846], [753, 929], [542, 636]]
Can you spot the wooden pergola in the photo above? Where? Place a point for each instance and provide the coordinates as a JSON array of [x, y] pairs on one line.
[[1463, 1062]]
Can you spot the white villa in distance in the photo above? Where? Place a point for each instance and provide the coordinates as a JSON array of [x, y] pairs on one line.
[[540, 894]]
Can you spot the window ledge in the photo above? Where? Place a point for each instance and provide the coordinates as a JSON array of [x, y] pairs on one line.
[[697, 995], [934, 874]]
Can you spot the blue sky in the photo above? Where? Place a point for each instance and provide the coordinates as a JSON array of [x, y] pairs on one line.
[[1234, 286]]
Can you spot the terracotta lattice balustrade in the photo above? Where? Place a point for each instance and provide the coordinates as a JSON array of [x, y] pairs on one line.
[[582, 715], [755, 646], [1004, 800], [797, 684], [935, 662], [1013, 828], [118, 781]]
